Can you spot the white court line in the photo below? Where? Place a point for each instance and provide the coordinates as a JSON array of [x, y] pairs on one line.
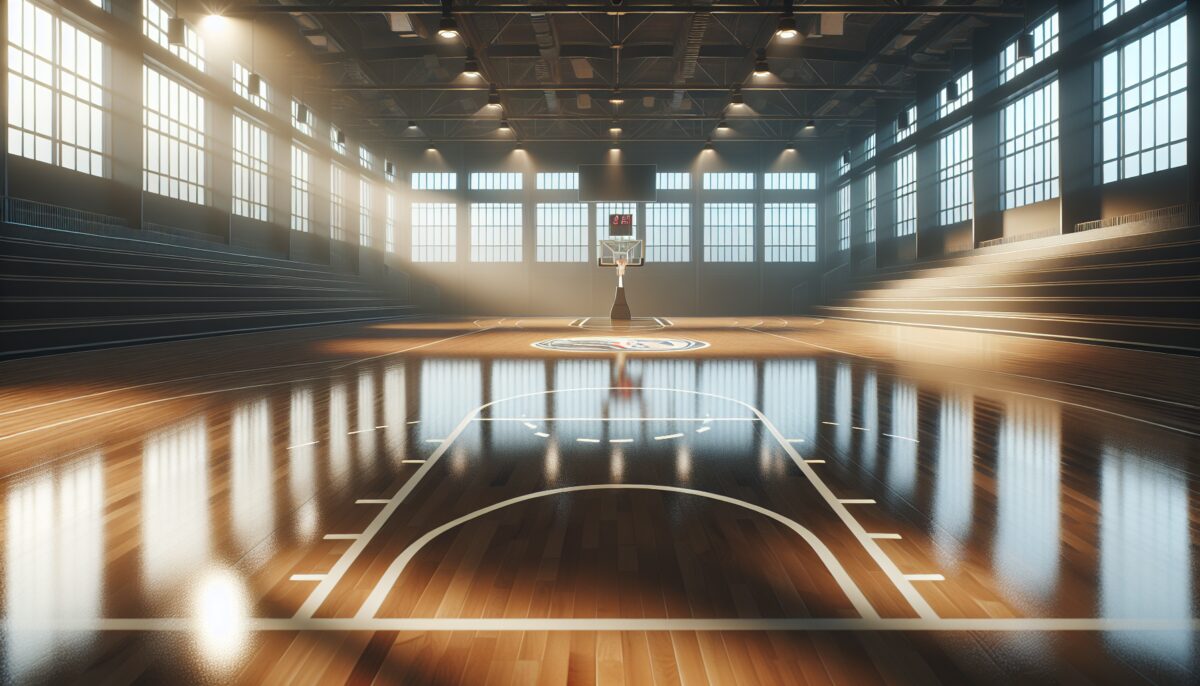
[[588, 440], [830, 423], [302, 445], [620, 440], [427, 624], [322, 591], [415, 421], [542, 434], [185, 396], [703, 429], [856, 501], [381, 426], [860, 428], [795, 440], [360, 431], [383, 587], [617, 419], [412, 461], [924, 577], [885, 537], [415, 347], [1059, 401], [307, 577], [663, 438], [434, 440], [371, 501], [529, 425], [340, 537], [885, 563], [814, 462], [902, 438]]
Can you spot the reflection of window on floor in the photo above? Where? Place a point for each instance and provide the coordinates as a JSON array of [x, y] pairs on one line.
[[790, 397], [1145, 549], [954, 481], [1027, 490], [251, 493], [450, 389], [902, 462], [175, 525]]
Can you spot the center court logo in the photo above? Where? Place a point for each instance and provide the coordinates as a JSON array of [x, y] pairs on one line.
[[619, 344]]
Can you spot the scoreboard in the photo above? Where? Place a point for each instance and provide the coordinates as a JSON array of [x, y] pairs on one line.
[[620, 224]]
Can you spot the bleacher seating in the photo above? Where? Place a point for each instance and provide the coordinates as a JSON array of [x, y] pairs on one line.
[[67, 290], [1138, 288]]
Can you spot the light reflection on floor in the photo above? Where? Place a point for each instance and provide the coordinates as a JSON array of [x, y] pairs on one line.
[[325, 436]]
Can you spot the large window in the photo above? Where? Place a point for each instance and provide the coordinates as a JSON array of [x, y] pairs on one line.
[[434, 181], [906, 194], [364, 212], [249, 169], [673, 181], [155, 18], [558, 181], [955, 162], [604, 209], [56, 91], [301, 189], [1029, 148], [434, 232], [389, 222], [1144, 107], [728, 181], [365, 159], [668, 231], [496, 232], [1045, 43], [496, 181], [562, 232], [729, 232], [843, 217], [790, 232], [337, 203], [870, 202], [869, 147], [1111, 9], [964, 85], [790, 181], [173, 145], [241, 85]]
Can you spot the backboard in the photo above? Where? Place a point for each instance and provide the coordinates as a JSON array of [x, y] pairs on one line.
[[614, 251]]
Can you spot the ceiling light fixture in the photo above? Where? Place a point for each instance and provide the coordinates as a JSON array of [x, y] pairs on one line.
[[722, 125], [615, 127], [616, 98], [810, 125], [447, 26], [790, 146], [787, 22], [412, 124], [470, 65], [493, 98], [761, 68], [708, 145], [176, 31], [504, 126], [1025, 46], [735, 98]]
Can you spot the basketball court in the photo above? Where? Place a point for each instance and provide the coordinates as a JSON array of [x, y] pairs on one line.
[[581, 500]]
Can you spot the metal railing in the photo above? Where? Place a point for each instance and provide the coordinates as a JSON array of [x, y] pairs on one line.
[[1173, 217], [46, 216], [1019, 237]]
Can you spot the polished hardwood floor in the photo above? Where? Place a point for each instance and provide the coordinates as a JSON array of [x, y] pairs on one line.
[[798, 501]]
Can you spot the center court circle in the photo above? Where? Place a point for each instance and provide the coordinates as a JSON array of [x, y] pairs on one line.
[[619, 344]]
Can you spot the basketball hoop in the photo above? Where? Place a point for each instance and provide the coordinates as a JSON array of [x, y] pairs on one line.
[[621, 253]]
